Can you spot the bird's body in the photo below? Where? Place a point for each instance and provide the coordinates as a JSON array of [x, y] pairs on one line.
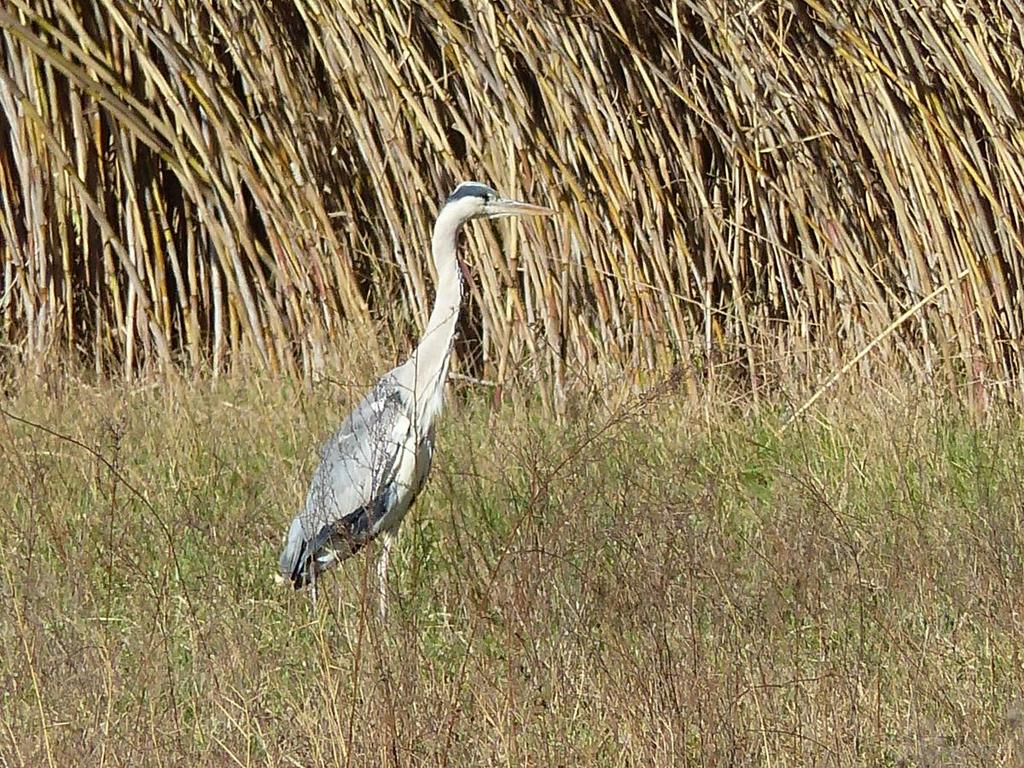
[[375, 464], [373, 467]]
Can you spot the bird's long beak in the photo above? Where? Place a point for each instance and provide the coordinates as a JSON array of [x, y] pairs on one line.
[[506, 207]]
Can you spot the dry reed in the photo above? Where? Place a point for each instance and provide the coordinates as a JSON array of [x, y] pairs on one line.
[[764, 185]]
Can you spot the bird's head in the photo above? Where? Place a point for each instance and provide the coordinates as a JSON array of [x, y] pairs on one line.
[[473, 200]]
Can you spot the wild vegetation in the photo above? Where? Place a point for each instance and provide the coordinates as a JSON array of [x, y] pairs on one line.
[[776, 516], [662, 582]]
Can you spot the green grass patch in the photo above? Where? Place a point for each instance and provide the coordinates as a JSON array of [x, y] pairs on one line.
[[672, 582]]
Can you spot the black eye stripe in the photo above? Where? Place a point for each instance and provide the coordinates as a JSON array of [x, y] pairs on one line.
[[472, 189]]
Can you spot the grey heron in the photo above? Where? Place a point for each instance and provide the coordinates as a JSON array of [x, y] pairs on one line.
[[374, 465]]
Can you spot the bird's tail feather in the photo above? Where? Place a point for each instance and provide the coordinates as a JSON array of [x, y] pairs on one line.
[[295, 556]]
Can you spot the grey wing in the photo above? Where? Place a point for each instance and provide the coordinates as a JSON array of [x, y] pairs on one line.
[[354, 485], [357, 464]]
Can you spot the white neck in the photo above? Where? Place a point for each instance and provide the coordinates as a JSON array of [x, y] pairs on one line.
[[430, 360]]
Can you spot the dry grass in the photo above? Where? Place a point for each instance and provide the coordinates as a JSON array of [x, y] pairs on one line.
[[668, 582], [762, 185]]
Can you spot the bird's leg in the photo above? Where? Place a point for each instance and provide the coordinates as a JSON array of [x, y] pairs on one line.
[[382, 573], [312, 584]]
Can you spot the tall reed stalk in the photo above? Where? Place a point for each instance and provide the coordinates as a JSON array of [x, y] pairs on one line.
[[767, 186]]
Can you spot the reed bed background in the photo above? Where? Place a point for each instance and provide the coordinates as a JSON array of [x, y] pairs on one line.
[[768, 187]]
